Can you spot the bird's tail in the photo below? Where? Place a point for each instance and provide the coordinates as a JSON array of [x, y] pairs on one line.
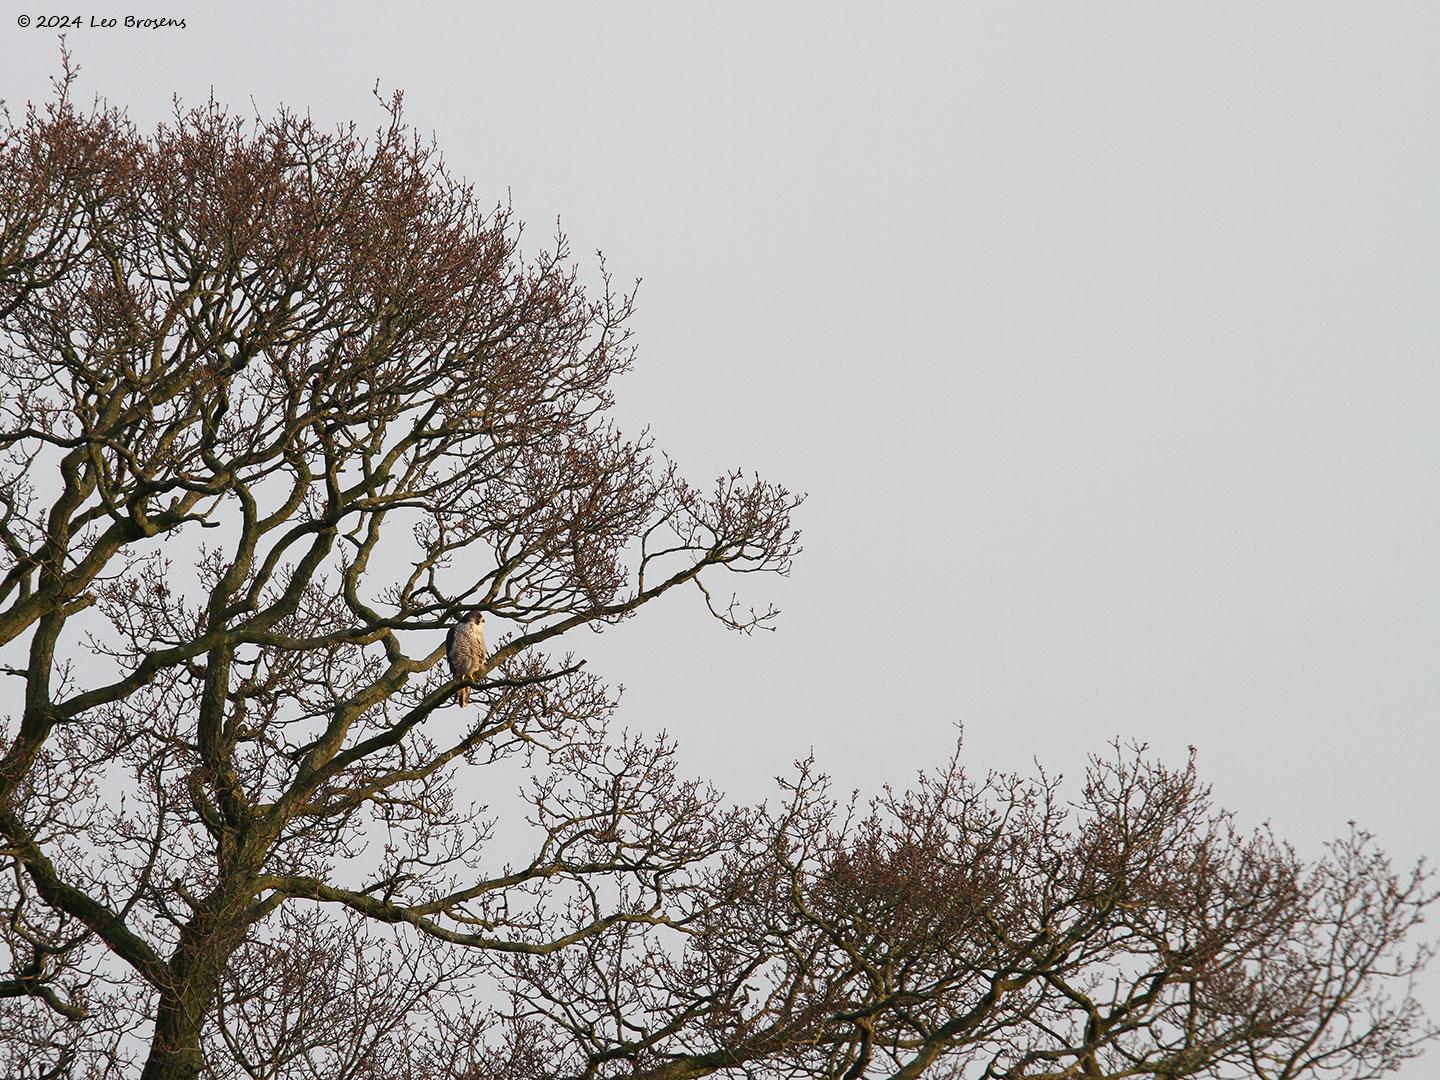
[[464, 696]]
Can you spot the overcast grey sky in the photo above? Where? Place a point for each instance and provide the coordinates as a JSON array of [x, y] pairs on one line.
[[1102, 336]]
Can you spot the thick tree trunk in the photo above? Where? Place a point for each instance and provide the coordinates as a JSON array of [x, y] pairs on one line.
[[196, 968], [175, 1048]]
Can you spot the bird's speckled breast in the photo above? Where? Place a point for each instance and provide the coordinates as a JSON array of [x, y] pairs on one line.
[[467, 650]]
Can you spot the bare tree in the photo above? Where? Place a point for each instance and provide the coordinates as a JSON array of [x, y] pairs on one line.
[[278, 405], [991, 929]]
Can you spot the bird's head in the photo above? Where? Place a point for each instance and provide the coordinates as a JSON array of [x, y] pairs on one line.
[[475, 618]]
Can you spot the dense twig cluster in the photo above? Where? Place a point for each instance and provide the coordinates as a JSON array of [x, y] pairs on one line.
[[990, 929]]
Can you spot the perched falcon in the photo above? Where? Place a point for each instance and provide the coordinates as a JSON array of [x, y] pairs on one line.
[[465, 650]]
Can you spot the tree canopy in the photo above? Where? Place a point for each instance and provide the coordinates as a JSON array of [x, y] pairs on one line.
[[278, 405]]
